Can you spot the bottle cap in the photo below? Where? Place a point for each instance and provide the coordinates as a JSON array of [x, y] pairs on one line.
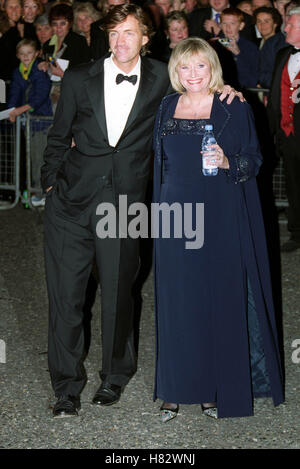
[[208, 127]]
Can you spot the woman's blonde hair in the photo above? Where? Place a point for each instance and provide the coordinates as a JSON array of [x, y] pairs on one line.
[[183, 52], [88, 9]]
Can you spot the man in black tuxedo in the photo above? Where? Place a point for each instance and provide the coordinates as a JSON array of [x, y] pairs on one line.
[[205, 22], [110, 119], [284, 112], [108, 108]]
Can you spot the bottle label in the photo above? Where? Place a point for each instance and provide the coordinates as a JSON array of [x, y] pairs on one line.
[[207, 162], [207, 165]]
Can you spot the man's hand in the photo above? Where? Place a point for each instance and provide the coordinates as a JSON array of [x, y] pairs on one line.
[[13, 115], [49, 189], [43, 66], [56, 70], [212, 27], [233, 47], [18, 111], [230, 93]]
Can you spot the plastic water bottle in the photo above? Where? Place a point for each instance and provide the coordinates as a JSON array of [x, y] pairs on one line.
[[208, 169]]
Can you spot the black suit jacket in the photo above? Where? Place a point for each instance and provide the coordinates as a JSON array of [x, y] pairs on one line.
[[274, 105], [198, 17], [77, 173]]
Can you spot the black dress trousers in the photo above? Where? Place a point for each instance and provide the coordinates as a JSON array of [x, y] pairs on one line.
[[70, 247]]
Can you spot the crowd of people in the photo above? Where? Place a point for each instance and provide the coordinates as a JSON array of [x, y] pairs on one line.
[[63, 30], [217, 342], [246, 37]]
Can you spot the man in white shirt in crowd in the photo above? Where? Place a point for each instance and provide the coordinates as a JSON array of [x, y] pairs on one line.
[[205, 22]]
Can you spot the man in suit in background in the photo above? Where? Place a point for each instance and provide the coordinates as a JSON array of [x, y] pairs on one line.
[[205, 22], [108, 107], [284, 113]]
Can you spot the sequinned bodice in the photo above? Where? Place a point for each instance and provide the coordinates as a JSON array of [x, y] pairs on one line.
[[175, 126], [182, 140]]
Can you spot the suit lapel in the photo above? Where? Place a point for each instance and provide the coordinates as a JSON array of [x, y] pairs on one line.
[[285, 58], [145, 87], [95, 91], [276, 89]]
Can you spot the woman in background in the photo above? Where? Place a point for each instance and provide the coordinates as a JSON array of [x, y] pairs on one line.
[[43, 29], [14, 30], [64, 44], [32, 9], [84, 16], [176, 29]]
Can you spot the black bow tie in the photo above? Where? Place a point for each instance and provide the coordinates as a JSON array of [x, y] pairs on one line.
[[120, 78], [294, 51]]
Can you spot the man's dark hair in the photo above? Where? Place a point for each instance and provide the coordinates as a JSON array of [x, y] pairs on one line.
[[119, 13], [61, 10], [270, 11], [233, 12]]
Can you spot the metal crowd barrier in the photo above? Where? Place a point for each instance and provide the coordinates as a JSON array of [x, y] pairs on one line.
[[278, 175], [36, 131], [2, 91], [10, 140], [279, 185]]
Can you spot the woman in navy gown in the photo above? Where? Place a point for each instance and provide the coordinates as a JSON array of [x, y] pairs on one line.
[[216, 331]]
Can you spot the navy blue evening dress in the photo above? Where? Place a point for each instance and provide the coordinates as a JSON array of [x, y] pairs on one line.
[[216, 333]]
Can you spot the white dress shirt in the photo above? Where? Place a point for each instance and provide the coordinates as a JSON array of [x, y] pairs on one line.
[[214, 13], [258, 35], [118, 99], [294, 66]]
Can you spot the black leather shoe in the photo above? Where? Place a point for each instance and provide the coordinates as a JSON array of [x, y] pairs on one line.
[[66, 406], [290, 246], [107, 394]]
